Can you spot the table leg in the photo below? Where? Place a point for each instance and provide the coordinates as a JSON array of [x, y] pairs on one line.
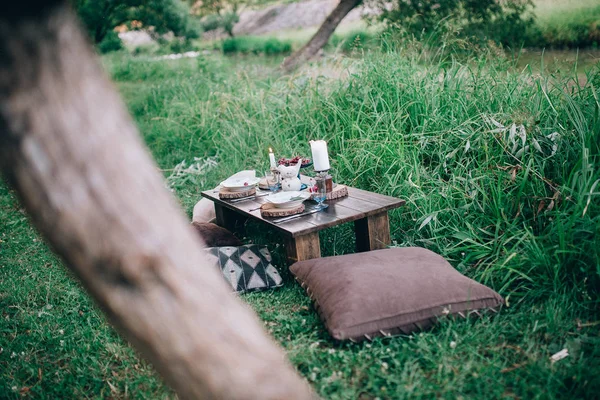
[[372, 232], [226, 217], [303, 247]]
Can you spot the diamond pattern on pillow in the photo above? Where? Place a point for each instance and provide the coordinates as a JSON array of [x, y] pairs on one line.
[[246, 268]]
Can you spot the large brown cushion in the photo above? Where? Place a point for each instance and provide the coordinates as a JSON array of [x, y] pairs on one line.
[[214, 235], [388, 292]]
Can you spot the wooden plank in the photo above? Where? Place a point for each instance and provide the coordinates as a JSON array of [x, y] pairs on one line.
[[372, 232], [303, 247], [358, 205], [250, 208], [375, 198]]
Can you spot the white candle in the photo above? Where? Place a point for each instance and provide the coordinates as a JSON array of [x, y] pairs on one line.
[[272, 158], [319, 155]]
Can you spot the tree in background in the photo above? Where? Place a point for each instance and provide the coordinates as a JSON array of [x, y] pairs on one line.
[[320, 39], [503, 21], [102, 16]]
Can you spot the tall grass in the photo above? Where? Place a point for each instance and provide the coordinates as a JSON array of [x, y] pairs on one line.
[[499, 168], [500, 172]]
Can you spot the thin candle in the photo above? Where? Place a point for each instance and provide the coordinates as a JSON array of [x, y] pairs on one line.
[[272, 158]]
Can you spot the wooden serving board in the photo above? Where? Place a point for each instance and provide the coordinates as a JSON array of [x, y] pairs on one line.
[[263, 184], [227, 194], [269, 210], [337, 192]]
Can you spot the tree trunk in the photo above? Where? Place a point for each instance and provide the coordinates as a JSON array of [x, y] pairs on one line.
[[322, 36], [75, 158]]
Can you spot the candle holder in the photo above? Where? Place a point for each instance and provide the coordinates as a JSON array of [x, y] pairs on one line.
[[320, 195], [328, 180]]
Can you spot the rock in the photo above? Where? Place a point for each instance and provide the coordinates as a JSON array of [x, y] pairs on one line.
[[136, 38]]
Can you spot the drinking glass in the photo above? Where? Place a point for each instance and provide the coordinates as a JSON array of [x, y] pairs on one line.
[[321, 194], [272, 181]]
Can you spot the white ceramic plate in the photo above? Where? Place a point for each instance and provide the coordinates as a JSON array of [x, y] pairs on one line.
[[240, 184], [287, 199]]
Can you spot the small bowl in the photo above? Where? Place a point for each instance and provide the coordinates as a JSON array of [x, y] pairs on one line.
[[240, 184], [291, 199]]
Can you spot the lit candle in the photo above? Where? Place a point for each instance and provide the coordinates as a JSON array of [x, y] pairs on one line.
[[272, 158], [319, 155]]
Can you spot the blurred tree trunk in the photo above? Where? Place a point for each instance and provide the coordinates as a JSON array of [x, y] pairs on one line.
[[73, 154], [320, 39]]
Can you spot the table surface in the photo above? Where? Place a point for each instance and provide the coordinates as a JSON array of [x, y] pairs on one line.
[[358, 204]]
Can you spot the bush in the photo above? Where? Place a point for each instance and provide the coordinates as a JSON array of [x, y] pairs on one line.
[[501, 21], [255, 45], [111, 42], [102, 16], [181, 45], [210, 22], [224, 21]]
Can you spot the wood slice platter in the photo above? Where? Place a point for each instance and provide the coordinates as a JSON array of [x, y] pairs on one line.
[[269, 210], [338, 192], [227, 194], [263, 184]]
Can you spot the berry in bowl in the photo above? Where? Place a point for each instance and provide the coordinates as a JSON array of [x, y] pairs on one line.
[[239, 184], [306, 162]]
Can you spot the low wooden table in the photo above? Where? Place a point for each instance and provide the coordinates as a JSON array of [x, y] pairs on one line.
[[368, 210]]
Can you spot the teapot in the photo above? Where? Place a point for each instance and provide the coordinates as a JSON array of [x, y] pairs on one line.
[[289, 177]]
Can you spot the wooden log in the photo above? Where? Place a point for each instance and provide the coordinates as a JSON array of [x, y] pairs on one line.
[[269, 210], [373, 232], [229, 194], [303, 247], [73, 154]]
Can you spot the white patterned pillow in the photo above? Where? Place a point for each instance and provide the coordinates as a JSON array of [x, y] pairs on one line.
[[246, 268]]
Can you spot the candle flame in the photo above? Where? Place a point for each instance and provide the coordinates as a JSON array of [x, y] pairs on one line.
[[270, 150]]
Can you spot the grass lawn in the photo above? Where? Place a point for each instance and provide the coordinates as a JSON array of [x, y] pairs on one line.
[[520, 213]]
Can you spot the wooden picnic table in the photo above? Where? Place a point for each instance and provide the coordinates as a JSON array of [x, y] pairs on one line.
[[368, 210]]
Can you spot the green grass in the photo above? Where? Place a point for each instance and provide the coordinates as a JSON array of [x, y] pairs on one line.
[[255, 45], [409, 123], [568, 23]]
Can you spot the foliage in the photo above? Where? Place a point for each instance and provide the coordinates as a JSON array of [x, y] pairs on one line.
[[501, 21], [219, 14], [102, 16], [180, 45], [111, 42], [255, 45], [567, 23], [413, 122]]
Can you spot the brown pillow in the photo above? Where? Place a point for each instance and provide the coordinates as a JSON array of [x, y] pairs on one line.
[[387, 292], [215, 236]]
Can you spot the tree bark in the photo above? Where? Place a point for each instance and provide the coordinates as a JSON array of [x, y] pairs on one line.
[[320, 39], [80, 168]]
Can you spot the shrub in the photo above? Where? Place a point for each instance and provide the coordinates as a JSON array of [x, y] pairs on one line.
[[225, 21], [501, 21], [255, 45], [210, 22], [181, 45], [111, 42]]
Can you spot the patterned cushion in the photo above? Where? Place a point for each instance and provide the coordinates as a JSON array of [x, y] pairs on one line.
[[246, 268]]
